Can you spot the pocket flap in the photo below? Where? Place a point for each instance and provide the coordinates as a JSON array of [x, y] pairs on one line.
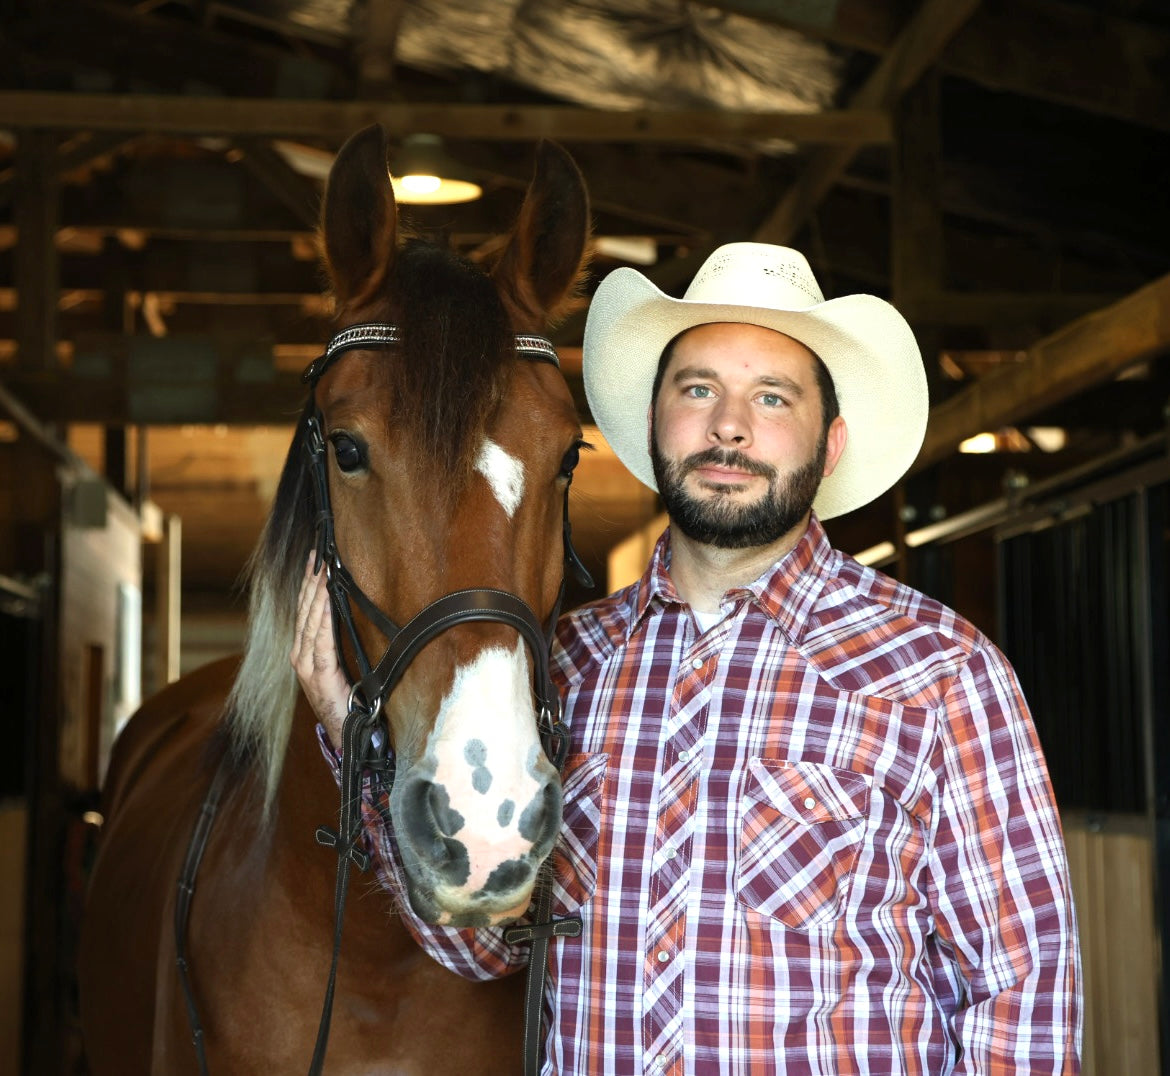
[[809, 792]]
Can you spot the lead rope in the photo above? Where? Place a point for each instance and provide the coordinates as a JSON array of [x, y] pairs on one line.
[[195, 849], [358, 753], [543, 926]]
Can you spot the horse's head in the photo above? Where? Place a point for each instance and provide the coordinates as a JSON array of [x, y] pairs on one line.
[[448, 461]]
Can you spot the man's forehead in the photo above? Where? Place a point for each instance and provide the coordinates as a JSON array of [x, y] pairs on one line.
[[699, 345]]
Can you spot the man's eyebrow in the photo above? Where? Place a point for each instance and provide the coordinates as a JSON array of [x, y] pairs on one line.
[[786, 384], [686, 373], [704, 373]]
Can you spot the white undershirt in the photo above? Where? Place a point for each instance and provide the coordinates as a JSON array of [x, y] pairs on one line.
[[707, 621]]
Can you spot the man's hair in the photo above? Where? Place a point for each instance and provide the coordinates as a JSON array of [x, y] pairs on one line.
[[830, 408]]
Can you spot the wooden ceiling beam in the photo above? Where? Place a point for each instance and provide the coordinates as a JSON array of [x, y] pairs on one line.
[[174, 380], [916, 49], [170, 54], [71, 155], [852, 24], [376, 43], [1086, 353], [1070, 54], [300, 195], [332, 120]]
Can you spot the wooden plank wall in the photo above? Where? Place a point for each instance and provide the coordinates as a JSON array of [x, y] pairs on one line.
[[1112, 867]]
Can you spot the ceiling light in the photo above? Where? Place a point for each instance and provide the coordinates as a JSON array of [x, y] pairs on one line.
[[422, 173], [981, 442]]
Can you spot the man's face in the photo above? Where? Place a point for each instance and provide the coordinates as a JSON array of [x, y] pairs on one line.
[[737, 435]]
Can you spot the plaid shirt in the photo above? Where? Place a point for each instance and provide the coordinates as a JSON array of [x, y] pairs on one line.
[[818, 838]]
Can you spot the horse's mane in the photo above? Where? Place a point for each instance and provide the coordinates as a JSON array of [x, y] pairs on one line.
[[446, 380]]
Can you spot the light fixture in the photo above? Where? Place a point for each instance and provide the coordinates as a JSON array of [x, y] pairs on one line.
[[422, 173]]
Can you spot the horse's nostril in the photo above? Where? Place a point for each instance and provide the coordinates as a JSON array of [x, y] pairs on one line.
[[541, 819], [446, 819]]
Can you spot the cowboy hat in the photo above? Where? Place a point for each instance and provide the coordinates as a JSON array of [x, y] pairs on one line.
[[864, 342]]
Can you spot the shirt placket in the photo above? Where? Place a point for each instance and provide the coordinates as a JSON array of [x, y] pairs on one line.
[[664, 960]]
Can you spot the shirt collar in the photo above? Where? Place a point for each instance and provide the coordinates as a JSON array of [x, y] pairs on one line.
[[787, 591]]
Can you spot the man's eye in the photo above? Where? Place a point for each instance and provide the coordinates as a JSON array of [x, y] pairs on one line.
[[770, 399], [699, 392], [349, 454]]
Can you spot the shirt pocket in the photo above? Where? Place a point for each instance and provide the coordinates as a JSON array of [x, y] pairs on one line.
[[801, 827], [574, 857]]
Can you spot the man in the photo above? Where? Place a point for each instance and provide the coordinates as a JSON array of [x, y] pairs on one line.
[[808, 826]]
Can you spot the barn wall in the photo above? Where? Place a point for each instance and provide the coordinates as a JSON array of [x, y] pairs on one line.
[[101, 634]]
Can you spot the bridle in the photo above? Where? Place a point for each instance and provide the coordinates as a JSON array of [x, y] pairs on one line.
[[365, 746]]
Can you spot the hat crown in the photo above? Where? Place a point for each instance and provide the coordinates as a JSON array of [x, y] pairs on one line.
[[756, 274]]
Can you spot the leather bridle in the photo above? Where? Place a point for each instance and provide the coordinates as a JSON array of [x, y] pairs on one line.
[[365, 746]]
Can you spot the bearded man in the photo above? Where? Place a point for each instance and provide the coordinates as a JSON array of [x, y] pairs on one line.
[[808, 825]]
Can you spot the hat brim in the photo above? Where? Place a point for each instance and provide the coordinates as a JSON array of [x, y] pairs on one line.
[[867, 346]]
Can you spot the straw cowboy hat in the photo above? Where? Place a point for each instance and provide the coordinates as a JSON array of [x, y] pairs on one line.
[[865, 343]]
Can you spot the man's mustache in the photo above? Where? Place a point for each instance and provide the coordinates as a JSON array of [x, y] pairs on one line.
[[722, 457]]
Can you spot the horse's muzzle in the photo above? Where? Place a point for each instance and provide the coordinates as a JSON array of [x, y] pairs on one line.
[[472, 864]]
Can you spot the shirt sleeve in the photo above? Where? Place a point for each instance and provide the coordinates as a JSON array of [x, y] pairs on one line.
[[1000, 883], [478, 954]]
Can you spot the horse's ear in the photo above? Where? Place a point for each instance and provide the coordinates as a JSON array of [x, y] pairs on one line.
[[359, 219], [544, 258]]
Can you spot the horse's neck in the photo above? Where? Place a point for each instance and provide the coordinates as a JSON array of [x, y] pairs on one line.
[[308, 799]]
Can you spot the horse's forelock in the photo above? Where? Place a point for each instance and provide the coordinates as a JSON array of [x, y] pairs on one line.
[[456, 342]]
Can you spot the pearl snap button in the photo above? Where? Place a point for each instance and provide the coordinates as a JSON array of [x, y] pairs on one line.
[[663, 956], [697, 663], [684, 755], [809, 802]]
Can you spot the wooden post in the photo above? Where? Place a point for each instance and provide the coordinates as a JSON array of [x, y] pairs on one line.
[[916, 246], [36, 268], [168, 601]]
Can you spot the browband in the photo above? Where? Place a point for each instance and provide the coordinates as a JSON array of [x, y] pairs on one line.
[[374, 334]]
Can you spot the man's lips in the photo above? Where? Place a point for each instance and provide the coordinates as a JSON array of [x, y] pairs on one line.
[[723, 476]]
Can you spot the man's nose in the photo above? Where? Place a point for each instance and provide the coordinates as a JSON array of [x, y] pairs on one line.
[[730, 424]]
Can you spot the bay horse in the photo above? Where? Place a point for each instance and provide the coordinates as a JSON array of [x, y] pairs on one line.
[[443, 437]]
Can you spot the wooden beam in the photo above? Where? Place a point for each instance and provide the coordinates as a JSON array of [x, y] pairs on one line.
[[916, 217], [36, 269], [376, 44], [1083, 354], [181, 115], [170, 54], [955, 308], [299, 194], [917, 49], [1071, 54], [71, 155], [853, 24]]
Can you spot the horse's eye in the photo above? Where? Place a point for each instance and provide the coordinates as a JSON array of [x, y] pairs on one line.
[[571, 459], [349, 454]]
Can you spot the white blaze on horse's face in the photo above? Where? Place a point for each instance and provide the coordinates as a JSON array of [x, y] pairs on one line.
[[491, 782], [505, 474]]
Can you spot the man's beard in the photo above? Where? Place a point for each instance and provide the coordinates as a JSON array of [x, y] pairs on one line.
[[716, 520]]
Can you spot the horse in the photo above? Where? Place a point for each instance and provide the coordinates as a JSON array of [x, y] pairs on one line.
[[442, 437]]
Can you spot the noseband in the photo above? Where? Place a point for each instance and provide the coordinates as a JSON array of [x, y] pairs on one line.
[[365, 745]]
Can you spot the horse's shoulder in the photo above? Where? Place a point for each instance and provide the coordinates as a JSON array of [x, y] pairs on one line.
[[177, 722]]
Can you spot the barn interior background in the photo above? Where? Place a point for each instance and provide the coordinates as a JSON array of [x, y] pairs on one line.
[[999, 170]]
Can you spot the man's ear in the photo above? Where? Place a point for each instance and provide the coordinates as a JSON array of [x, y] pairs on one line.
[[835, 438]]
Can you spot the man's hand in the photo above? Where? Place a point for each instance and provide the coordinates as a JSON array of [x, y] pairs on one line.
[[314, 655]]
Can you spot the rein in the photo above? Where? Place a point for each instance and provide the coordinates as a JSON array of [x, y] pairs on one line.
[[365, 745]]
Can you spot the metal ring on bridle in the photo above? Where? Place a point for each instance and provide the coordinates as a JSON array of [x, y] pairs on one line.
[[370, 708]]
